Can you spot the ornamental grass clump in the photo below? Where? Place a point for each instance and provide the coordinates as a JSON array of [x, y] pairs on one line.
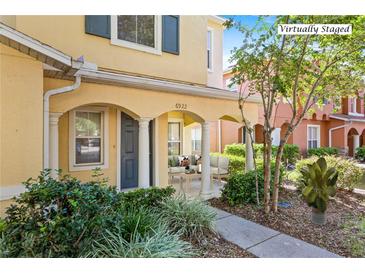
[[189, 217], [161, 243]]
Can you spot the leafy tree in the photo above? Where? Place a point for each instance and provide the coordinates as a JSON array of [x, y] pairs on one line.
[[302, 70]]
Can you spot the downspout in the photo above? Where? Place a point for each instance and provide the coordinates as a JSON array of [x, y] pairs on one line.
[[333, 129], [46, 98]]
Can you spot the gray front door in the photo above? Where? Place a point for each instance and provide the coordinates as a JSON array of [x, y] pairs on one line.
[[129, 152]]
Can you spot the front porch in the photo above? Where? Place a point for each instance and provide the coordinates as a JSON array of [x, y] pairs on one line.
[[131, 139], [192, 188]]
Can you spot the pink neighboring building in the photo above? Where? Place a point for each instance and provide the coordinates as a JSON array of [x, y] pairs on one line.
[[344, 129]]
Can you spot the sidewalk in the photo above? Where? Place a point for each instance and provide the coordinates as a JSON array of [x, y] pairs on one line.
[[265, 242]]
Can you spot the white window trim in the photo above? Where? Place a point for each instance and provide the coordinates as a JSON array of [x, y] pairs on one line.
[[181, 121], [211, 48], [192, 139], [118, 42], [104, 140], [319, 134], [353, 104]]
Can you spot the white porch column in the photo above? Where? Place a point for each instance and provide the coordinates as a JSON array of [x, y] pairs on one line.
[[53, 142], [356, 143], [249, 165], [144, 153], [206, 190]]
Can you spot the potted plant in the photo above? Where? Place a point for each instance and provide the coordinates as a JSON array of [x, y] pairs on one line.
[[319, 184]]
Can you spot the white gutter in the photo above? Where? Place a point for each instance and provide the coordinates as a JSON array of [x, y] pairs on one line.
[[46, 97], [161, 85], [333, 129]]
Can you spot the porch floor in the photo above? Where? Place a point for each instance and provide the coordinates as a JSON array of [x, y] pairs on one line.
[[192, 189]]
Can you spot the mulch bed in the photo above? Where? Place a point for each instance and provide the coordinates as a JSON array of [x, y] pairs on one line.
[[214, 246], [296, 222]]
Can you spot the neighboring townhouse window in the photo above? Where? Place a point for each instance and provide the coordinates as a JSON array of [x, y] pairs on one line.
[[243, 135], [231, 85], [196, 139], [210, 49], [87, 144], [141, 32], [174, 138], [353, 105], [313, 136]]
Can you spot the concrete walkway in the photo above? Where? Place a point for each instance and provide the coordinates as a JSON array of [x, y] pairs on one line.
[[265, 242]]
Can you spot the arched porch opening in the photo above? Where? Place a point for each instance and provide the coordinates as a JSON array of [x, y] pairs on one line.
[[353, 141], [229, 131], [184, 139]]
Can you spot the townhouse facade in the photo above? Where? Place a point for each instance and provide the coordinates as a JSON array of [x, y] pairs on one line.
[[341, 126], [119, 93]]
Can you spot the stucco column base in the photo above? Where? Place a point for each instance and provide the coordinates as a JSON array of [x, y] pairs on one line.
[[144, 153], [206, 190]]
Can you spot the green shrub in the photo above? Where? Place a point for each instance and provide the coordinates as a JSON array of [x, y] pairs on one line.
[[290, 154], [349, 174], [190, 217], [235, 150], [149, 197], [323, 151], [360, 153], [142, 221], [159, 244], [241, 187], [57, 218]]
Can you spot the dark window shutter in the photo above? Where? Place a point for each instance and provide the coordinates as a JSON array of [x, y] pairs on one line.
[[170, 34], [98, 25]]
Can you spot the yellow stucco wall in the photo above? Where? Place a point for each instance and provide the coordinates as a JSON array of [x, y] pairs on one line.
[[162, 150], [67, 33], [21, 122], [21, 108]]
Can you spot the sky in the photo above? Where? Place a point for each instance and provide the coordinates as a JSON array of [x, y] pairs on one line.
[[232, 37]]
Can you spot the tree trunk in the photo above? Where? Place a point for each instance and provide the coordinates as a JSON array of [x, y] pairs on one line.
[[275, 196], [267, 171]]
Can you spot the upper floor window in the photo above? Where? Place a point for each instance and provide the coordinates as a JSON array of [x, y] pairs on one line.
[[210, 49], [353, 105], [231, 85], [141, 32]]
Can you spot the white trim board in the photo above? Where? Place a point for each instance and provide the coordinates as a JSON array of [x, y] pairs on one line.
[[97, 76], [9, 192]]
